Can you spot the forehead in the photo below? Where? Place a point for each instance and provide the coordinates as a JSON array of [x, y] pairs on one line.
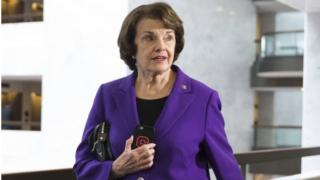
[[151, 25]]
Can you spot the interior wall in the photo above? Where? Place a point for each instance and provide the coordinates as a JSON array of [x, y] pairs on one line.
[[74, 50], [311, 89]]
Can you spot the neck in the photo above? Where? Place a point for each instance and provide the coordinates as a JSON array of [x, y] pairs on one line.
[[150, 85]]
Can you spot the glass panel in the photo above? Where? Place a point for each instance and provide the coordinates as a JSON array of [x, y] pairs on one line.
[[11, 104], [21, 11], [21, 103], [35, 110], [278, 137], [282, 44]]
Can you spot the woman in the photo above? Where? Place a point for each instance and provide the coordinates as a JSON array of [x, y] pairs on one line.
[[185, 114]]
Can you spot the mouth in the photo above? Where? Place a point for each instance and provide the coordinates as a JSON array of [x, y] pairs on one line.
[[159, 58]]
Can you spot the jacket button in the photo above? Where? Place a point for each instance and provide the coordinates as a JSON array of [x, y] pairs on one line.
[[140, 178]]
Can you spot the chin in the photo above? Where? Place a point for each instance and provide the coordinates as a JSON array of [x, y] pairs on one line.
[[161, 69]]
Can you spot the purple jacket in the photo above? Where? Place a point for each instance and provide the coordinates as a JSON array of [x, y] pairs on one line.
[[189, 133]]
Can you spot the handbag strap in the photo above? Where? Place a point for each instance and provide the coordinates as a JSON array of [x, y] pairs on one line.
[[99, 134]]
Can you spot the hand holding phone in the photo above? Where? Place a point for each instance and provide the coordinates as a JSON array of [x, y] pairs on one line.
[[142, 135]]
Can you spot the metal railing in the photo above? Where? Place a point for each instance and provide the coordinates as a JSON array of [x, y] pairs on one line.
[[259, 156], [243, 159], [26, 17]]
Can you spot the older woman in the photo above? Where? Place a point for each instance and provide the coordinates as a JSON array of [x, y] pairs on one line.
[[184, 113]]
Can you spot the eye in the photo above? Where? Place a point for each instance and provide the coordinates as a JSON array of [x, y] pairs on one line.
[[148, 38], [169, 37]]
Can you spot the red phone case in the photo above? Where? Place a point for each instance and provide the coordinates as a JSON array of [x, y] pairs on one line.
[[142, 135]]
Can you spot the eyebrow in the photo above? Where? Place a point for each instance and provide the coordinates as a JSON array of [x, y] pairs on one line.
[[150, 32]]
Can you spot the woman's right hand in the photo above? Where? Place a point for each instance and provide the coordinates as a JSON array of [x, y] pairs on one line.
[[131, 161]]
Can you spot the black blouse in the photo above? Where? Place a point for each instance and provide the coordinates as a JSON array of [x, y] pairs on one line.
[[149, 110]]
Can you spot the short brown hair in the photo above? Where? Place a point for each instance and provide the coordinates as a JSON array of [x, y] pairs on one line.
[[159, 11]]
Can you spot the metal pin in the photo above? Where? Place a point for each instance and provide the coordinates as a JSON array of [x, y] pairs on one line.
[[102, 131]]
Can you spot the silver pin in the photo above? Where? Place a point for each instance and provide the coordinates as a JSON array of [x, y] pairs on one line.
[[184, 86]]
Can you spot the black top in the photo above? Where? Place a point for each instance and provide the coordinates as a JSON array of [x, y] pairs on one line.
[[149, 110]]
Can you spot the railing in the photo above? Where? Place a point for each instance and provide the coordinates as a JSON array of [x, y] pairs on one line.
[[259, 156], [20, 125], [26, 17], [243, 159], [287, 43]]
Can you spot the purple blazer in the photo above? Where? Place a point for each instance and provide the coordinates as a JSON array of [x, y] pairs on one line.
[[189, 133]]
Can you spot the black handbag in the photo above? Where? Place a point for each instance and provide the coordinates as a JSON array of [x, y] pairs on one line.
[[99, 142]]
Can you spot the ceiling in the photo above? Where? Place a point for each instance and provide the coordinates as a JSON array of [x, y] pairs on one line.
[[303, 5], [36, 78], [274, 6], [271, 6]]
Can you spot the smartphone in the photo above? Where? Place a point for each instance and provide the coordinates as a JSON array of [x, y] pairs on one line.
[[142, 135]]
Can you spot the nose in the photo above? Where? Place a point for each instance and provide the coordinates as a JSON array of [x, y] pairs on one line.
[[160, 45]]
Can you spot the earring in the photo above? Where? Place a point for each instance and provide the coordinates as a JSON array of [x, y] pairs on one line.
[[133, 57]]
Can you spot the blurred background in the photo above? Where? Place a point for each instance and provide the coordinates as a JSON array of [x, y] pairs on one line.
[[263, 57]]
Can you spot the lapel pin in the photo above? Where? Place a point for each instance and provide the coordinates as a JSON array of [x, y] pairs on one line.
[[184, 87]]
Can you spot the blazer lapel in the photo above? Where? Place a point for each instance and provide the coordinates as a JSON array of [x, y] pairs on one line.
[[125, 96], [177, 103]]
